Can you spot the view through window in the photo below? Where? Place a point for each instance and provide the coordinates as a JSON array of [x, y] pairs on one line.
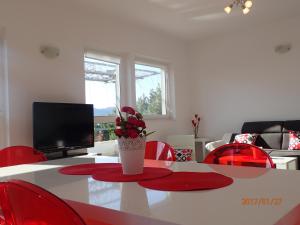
[[100, 85], [102, 88], [150, 89]]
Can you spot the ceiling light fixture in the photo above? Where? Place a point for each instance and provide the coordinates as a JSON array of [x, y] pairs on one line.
[[245, 5]]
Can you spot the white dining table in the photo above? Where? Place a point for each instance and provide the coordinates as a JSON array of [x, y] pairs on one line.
[[257, 196]]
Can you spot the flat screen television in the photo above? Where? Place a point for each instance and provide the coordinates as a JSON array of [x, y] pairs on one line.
[[62, 126]]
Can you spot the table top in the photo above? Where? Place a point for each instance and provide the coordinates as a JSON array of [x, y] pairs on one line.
[[239, 203]]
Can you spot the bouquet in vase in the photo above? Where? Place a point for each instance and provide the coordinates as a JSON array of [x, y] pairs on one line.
[[131, 133]]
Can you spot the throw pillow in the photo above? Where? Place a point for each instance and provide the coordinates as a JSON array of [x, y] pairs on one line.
[[294, 143], [183, 155], [245, 138]]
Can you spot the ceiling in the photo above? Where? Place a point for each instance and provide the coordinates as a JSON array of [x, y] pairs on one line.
[[193, 19]]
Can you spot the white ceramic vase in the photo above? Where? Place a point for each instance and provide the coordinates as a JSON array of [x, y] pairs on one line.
[[132, 153]]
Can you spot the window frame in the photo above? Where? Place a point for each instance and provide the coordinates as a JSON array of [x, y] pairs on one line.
[[111, 58], [166, 68], [125, 83]]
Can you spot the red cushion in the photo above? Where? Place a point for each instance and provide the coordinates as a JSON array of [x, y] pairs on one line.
[[183, 155], [294, 143], [245, 139]]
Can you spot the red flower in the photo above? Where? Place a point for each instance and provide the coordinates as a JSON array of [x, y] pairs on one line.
[[194, 123], [141, 124], [131, 126], [119, 132], [138, 115], [127, 109], [133, 121], [118, 121], [133, 133]]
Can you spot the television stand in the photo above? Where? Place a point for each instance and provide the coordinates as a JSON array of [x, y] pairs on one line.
[[65, 154]]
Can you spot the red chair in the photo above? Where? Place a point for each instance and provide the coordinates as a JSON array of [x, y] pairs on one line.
[[2, 221], [23, 203], [158, 150], [16, 155], [240, 155]]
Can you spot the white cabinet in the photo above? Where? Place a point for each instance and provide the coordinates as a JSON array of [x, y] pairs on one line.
[[285, 163], [200, 150]]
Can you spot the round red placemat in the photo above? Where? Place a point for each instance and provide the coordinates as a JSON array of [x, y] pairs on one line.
[[116, 174], [88, 169], [188, 181]]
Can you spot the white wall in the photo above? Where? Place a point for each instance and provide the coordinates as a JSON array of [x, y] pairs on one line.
[[2, 93], [238, 77], [32, 77]]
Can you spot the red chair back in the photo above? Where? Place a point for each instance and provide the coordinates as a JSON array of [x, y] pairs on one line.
[[16, 155], [240, 155], [158, 150], [23, 203]]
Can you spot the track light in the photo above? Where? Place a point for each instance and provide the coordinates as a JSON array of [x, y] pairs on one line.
[[248, 4], [244, 4], [228, 9], [246, 10]]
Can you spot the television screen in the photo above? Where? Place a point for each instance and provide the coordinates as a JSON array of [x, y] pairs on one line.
[[62, 126]]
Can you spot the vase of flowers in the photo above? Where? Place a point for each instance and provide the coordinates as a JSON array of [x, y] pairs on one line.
[[195, 123], [131, 133]]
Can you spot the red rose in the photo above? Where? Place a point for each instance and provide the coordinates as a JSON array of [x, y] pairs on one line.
[[138, 115], [128, 125], [119, 132], [133, 121], [194, 123], [127, 109], [133, 133], [118, 121], [141, 124]]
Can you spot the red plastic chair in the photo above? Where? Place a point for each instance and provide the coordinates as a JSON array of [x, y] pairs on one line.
[[158, 150], [16, 155], [23, 203], [240, 155], [2, 221]]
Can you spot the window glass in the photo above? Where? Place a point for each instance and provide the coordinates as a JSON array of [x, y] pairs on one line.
[[150, 83], [100, 85], [105, 131]]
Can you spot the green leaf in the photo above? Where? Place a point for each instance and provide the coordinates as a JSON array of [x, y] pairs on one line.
[[152, 132], [120, 114]]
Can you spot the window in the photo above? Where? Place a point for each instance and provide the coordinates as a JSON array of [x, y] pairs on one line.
[[101, 76], [101, 90], [150, 85], [143, 84], [104, 131]]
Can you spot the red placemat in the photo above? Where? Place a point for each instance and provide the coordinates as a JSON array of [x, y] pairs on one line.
[[116, 174], [88, 169], [188, 181]]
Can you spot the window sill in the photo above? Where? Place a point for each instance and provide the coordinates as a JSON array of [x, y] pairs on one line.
[[158, 117], [107, 148]]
